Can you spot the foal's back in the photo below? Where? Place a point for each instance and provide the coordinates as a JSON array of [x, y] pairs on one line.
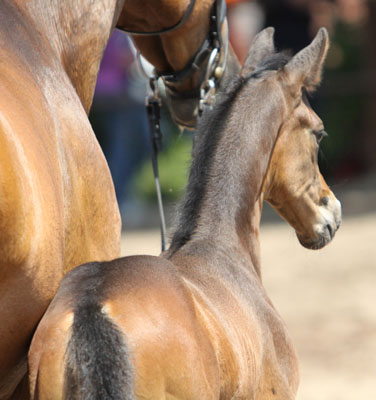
[[177, 329], [95, 305]]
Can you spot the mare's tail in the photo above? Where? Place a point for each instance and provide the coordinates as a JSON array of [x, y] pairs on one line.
[[97, 361]]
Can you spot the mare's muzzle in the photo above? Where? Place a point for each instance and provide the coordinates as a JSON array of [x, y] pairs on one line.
[[183, 108]]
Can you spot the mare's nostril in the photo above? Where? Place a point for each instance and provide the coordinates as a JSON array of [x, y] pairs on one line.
[[324, 201], [331, 233]]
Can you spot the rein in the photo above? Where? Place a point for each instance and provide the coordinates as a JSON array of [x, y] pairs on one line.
[[214, 49]]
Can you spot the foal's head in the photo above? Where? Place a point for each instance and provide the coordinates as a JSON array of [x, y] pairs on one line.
[[294, 185]]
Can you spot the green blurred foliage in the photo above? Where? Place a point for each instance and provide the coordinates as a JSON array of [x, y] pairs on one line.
[[173, 163], [342, 113]]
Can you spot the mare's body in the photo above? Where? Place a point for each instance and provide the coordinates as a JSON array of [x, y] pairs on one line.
[[53, 214], [57, 205], [196, 323]]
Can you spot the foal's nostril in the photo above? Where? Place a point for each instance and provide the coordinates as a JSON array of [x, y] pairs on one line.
[[331, 233], [324, 201]]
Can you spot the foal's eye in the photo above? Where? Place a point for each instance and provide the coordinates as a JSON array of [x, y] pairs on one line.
[[320, 135]]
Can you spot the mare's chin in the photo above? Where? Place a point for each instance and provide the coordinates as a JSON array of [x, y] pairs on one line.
[[183, 110]]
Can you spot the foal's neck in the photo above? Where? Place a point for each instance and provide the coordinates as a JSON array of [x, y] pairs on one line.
[[77, 32], [230, 160]]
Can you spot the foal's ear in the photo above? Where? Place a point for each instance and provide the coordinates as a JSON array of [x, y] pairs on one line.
[[262, 46], [305, 67]]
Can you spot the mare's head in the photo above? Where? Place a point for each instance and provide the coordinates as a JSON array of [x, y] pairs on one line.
[[294, 185], [184, 40]]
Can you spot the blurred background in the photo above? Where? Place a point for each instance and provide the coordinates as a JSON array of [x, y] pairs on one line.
[[346, 101], [327, 297]]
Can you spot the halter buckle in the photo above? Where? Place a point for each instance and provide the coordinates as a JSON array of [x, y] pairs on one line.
[[207, 95]]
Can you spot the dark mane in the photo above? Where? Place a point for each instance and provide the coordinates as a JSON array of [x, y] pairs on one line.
[[208, 134]]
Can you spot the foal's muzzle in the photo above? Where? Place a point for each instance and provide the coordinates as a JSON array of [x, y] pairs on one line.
[[329, 219]]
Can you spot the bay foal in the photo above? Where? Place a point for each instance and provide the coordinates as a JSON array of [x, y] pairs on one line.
[[196, 323]]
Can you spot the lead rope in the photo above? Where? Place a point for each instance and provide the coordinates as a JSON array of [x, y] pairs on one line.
[[153, 107]]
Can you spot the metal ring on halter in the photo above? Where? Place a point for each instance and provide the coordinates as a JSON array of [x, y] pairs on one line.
[[217, 60], [224, 45], [211, 64], [217, 53]]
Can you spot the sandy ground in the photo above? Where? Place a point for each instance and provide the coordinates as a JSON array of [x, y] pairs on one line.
[[326, 297]]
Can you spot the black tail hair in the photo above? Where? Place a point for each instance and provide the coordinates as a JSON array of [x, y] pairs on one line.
[[97, 361]]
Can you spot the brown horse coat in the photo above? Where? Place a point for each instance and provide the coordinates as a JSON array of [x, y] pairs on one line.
[[57, 202], [196, 323]]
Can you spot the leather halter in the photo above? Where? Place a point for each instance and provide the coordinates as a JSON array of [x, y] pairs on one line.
[[213, 42], [213, 49]]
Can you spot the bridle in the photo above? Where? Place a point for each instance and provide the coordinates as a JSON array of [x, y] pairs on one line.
[[214, 50]]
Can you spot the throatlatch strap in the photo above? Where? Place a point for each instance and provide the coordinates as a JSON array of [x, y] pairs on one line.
[[187, 13]]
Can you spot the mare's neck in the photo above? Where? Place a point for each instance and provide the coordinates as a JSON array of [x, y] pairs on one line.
[[230, 160], [77, 33]]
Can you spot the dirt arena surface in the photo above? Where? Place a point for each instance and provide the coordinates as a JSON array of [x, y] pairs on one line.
[[327, 299]]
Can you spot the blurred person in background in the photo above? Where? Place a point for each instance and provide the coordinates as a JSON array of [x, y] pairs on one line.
[[245, 20], [119, 118]]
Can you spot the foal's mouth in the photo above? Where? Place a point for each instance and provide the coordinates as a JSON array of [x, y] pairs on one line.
[[315, 245], [328, 220], [324, 236]]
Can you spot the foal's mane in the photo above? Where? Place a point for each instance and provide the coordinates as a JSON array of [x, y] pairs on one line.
[[209, 132]]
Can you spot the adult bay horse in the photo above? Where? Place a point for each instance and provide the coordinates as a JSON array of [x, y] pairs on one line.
[[196, 323], [57, 204]]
